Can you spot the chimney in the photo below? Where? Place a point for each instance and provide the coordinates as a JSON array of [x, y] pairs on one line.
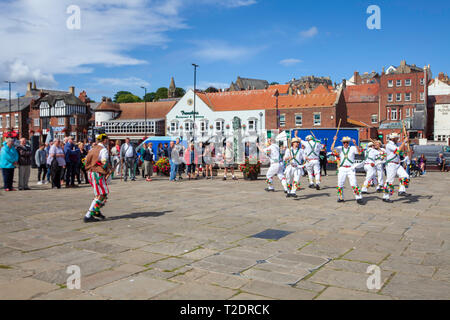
[[382, 71], [344, 83], [403, 63], [29, 86], [72, 90]]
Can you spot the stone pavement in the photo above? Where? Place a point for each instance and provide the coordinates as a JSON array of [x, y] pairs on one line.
[[193, 240]]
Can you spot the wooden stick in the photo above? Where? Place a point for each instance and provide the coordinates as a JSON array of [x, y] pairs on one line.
[[406, 135], [337, 131], [313, 134]]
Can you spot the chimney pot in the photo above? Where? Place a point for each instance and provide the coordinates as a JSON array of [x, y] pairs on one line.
[[29, 86], [72, 90]]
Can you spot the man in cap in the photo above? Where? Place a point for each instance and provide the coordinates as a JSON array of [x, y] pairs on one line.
[[346, 168], [312, 151], [294, 170], [370, 156], [99, 169], [276, 168], [394, 168]]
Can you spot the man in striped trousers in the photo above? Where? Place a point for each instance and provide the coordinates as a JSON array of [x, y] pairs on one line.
[[98, 168]]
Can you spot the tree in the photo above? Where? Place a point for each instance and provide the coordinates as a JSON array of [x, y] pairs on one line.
[[118, 94], [161, 93], [149, 97], [179, 92], [127, 98], [274, 83], [211, 89]]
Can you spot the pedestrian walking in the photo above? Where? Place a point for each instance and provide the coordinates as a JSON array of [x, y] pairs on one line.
[[228, 161], [149, 159], [128, 157], [57, 162], [40, 158]]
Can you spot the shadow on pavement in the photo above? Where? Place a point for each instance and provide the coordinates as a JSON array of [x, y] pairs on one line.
[[135, 215], [412, 199], [310, 196]]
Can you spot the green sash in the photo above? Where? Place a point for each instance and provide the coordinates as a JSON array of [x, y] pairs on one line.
[[313, 149], [295, 155], [345, 157]]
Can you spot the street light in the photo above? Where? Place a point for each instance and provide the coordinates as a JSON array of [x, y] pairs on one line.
[[145, 111], [195, 88], [9, 83]]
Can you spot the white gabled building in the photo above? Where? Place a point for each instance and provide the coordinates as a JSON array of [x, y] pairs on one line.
[[214, 113]]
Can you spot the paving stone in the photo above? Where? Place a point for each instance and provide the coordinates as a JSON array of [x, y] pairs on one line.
[[223, 280], [197, 291], [248, 296], [365, 256], [199, 254], [274, 291], [25, 288], [401, 264], [407, 286], [138, 257], [273, 276], [333, 293], [134, 288], [170, 264]]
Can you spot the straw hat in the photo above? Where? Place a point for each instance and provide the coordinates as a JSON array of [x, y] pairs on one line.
[[295, 140], [394, 135], [310, 137], [346, 139]]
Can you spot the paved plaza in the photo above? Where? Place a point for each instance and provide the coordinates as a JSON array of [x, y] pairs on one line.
[[193, 240]]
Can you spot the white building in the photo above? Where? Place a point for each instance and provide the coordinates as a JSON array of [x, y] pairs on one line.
[[214, 113], [438, 87], [442, 118]]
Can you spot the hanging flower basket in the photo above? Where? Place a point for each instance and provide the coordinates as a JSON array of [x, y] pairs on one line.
[[227, 126], [211, 126], [244, 126]]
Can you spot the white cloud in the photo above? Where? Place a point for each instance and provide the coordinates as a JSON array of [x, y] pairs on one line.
[[214, 50], [131, 82], [290, 62], [5, 94], [203, 85], [310, 33], [236, 3]]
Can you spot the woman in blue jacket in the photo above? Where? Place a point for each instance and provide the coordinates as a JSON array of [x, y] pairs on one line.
[[8, 160]]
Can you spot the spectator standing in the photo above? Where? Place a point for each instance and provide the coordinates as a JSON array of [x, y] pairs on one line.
[[128, 157], [25, 155], [228, 163], [208, 159], [173, 160], [41, 162], [166, 150], [56, 161], [9, 158], [149, 159], [71, 162], [47, 149], [423, 164], [323, 160], [82, 163], [191, 159], [181, 164], [440, 160], [115, 153]]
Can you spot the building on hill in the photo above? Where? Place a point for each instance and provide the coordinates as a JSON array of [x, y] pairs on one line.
[[32, 91], [306, 84], [365, 78], [14, 120], [248, 84]]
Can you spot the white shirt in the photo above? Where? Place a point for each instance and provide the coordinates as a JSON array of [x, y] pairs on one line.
[[297, 160], [391, 153], [129, 150], [370, 155], [273, 152], [103, 154], [347, 156], [312, 149]]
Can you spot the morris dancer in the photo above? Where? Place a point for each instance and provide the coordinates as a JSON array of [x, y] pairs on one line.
[[99, 169], [394, 168], [294, 158], [276, 167], [312, 150], [347, 168], [379, 165], [370, 155]]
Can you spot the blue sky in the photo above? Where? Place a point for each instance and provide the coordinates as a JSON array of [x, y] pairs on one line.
[[121, 47]]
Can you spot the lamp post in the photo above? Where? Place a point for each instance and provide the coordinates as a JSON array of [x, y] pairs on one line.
[[18, 113], [145, 111], [195, 88], [276, 106], [10, 114]]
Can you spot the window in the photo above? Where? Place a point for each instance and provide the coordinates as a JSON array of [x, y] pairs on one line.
[[390, 83], [8, 123], [399, 96], [16, 120], [374, 118], [36, 122], [390, 97], [188, 126], [393, 114], [174, 126], [219, 126], [422, 81], [407, 112], [72, 121], [422, 96], [251, 125], [399, 83], [408, 82], [1, 121], [282, 120], [298, 120], [61, 121], [408, 96], [317, 119]]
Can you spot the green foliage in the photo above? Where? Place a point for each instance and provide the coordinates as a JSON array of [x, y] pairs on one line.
[[179, 92], [129, 97], [149, 97], [118, 94], [161, 93], [211, 89], [274, 83]]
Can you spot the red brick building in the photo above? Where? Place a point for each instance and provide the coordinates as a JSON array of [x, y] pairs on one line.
[[14, 121], [403, 96]]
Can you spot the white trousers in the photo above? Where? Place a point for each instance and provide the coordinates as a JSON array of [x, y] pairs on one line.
[[371, 173], [380, 174], [349, 173], [276, 169], [293, 175], [313, 169], [393, 170]]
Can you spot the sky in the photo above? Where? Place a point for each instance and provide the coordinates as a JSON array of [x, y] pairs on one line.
[[121, 46]]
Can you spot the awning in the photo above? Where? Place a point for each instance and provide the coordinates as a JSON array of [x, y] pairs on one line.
[[358, 123]]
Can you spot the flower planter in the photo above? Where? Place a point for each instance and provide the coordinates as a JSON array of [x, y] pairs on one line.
[[251, 176]]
